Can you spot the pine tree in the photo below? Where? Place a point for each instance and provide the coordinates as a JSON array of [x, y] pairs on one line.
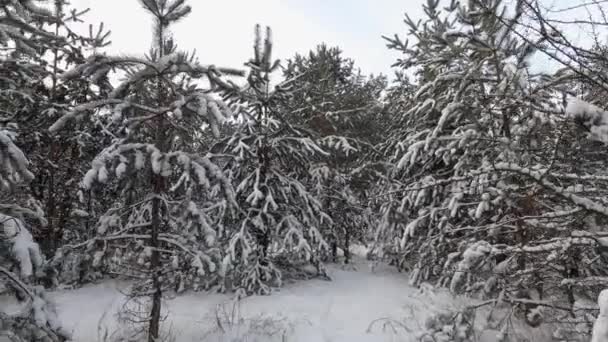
[[22, 41], [161, 229], [21, 261], [332, 97], [341, 109], [64, 212], [486, 198], [34, 98], [57, 159], [281, 216]]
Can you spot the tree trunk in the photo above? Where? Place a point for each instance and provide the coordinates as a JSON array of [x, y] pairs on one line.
[[334, 248], [346, 246], [50, 212], [154, 328], [159, 188], [158, 184]]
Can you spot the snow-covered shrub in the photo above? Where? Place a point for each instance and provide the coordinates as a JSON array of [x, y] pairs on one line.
[[229, 324], [21, 246], [450, 327], [36, 319], [593, 118]]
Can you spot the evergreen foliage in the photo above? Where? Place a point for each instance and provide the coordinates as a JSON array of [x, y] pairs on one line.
[[162, 226], [485, 197], [22, 264], [282, 219], [342, 110], [469, 170]]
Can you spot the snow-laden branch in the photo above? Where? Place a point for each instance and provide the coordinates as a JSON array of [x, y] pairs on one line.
[[16, 210], [14, 22], [555, 244], [583, 202], [591, 117], [215, 111], [14, 161], [79, 110], [433, 184], [12, 277]]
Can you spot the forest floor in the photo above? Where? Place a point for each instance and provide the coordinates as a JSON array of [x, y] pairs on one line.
[[343, 309], [357, 305]]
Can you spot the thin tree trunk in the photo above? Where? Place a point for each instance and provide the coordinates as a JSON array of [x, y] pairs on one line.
[[155, 262], [154, 328], [50, 211], [346, 246], [51, 203], [159, 188]]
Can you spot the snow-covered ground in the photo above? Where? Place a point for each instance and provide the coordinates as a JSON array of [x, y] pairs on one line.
[[317, 310], [358, 305]]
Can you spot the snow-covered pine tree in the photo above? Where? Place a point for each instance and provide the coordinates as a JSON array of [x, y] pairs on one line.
[[21, 41], [343, 196], [162, 227], [397, 100], [340, 108], [486, 198], [331, 96], [57, 159], [21, 261], [282, 217], [33, 97]]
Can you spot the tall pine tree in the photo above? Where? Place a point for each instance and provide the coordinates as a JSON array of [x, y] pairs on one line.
[[22, 40], [342, 111], [281, 220], [160, 229]]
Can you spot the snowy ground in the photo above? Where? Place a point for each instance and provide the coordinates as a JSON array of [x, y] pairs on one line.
[[358, 305], [309, 311]]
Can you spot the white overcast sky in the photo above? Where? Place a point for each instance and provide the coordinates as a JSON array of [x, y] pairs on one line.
[[222, 30]]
